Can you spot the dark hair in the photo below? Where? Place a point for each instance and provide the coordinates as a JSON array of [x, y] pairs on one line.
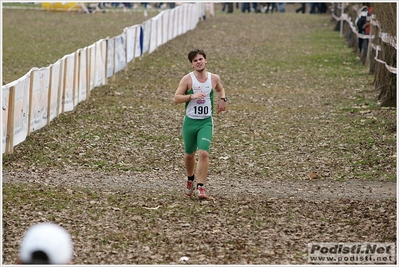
[[39, 257], [195, 52]]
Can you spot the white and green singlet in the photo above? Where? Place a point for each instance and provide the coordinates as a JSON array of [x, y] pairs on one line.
[[200, 108], [198, 121]]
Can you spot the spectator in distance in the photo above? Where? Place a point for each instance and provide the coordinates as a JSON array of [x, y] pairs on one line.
[[302, 8]]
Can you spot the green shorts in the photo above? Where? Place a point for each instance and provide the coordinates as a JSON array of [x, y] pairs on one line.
[[197, 134]]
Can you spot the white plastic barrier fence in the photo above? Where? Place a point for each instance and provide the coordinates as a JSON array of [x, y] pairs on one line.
[[32, 101]]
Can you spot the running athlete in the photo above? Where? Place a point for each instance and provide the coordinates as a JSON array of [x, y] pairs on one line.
[[196, 90]]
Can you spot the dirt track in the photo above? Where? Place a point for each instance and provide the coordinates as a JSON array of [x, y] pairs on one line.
[[319, 189]]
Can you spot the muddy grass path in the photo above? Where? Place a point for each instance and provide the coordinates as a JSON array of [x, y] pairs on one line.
[[218, 186]]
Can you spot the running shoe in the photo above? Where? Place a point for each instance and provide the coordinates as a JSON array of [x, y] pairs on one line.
[[201, 192], [189, 187]]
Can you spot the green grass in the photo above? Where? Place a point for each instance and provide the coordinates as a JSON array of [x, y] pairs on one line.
[[21, 4], [52, 35]]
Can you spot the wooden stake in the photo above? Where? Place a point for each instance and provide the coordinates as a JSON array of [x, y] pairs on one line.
[[10, 121], [126, 59], [87, 73], [78, 71], [113, 70], [64, 85], [106, 60], [49, 95], [30, 100], [74, 81], [60, 85]]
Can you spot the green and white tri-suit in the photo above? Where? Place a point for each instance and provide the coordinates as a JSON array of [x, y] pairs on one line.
[[198, 121]]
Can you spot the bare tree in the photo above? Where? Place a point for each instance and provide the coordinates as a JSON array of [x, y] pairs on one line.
[[384, 79]]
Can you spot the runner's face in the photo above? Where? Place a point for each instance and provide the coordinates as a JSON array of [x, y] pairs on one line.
[[199, 62]]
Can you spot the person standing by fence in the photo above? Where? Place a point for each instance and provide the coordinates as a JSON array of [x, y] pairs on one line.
[[367, 26], [281, 7], [302, 8], [271, 6], [196, 90], [245, 6], [360, 22]]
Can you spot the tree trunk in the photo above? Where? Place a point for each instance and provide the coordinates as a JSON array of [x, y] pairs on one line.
[[385, 80]]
